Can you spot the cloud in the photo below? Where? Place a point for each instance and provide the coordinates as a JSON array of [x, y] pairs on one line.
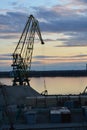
[[58, 59], [65, 66], [64, 61], [13, 3], [66, 20], [36, 63], [69, 18], [58, 19], [48, 61], [7, 54], [62, 20], [12, 22], [5, 57], [80, 1], [9, 35], [76, 39], [43, 57]]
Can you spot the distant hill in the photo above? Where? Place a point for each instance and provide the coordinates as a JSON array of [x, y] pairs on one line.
[[53, 73]]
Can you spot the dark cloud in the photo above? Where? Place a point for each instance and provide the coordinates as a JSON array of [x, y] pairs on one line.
[[13, 3], [12, 22], [8, 54], [39, 56], [45, 13], [60, 66], [64, 26], [43, 57], [60, 57], [36, 63], [49, 40], [77, 39], [6, 57], [9, 36], [84, 1], [66, 66], [62, 19], [40, 60], [57, 19]]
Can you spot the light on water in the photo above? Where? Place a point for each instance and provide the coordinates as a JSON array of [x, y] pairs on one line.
[[55, 85]]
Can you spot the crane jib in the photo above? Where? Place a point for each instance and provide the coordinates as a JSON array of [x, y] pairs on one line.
[[22, 55]]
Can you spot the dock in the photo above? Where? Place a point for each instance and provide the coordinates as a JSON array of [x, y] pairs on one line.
[[72, 126], [29, 110]]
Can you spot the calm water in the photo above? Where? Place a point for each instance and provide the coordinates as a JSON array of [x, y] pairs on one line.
[[55, 85]]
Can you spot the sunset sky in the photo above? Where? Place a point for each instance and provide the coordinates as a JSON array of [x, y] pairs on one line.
[[63, 26]]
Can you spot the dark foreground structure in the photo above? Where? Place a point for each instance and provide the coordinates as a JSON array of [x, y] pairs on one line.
[[22, 108]]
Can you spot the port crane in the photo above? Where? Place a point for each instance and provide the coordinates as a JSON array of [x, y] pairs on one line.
[[22, 55]]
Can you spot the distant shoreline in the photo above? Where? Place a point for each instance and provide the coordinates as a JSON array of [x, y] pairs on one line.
[[52, 73]]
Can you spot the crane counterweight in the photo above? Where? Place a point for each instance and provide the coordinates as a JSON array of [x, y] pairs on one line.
[[22, 55]]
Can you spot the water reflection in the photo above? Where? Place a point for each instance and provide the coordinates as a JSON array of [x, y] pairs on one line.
[[56, 85]]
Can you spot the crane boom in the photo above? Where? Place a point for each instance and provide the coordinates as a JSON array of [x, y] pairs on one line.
[[22, 55]]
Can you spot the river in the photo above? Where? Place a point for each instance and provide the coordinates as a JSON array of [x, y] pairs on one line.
[[55, 85]]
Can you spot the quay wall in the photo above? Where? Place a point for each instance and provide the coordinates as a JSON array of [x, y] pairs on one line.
[[57, 100], [28, 96]]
